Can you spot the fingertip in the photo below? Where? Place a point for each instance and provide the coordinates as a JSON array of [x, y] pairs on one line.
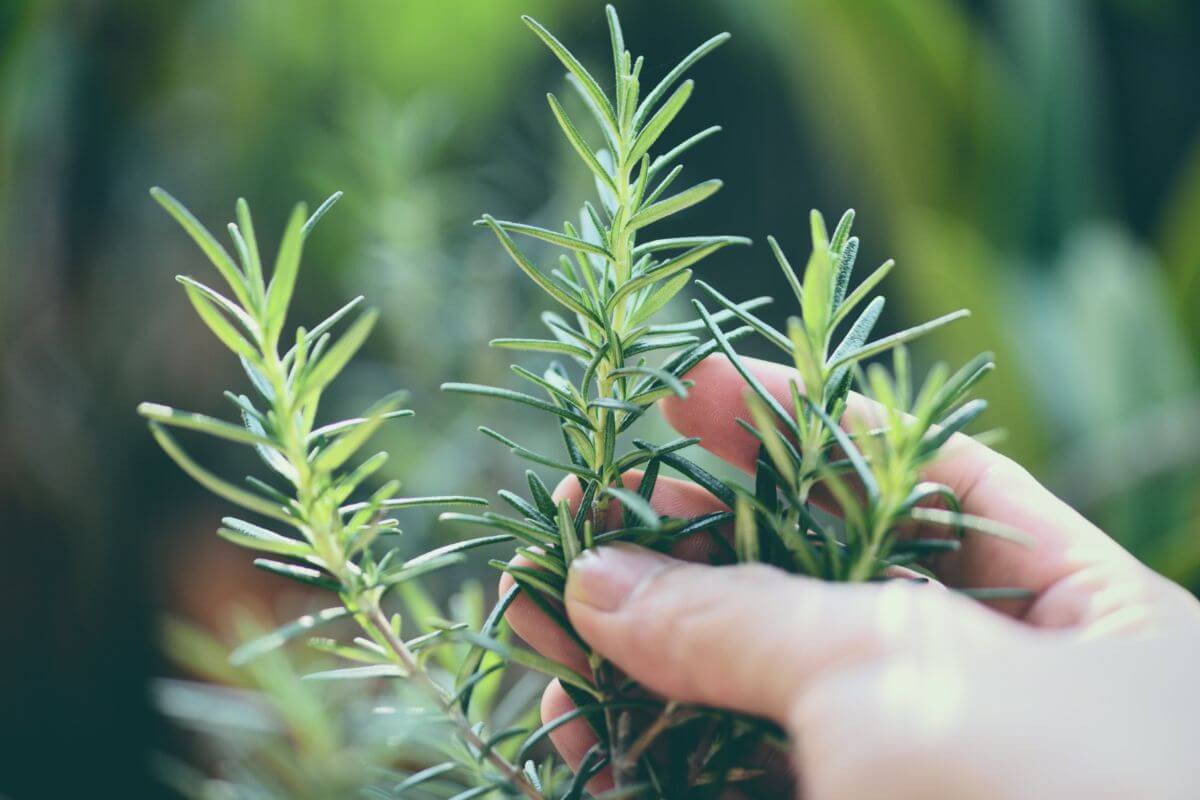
[[555, 702], [572, 739], [568, 489], [531, 624], [604, 579], [692, 633]]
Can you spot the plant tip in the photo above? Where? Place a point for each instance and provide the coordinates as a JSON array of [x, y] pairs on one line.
[[153, 410]]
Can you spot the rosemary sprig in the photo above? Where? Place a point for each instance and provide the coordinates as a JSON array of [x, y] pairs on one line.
[[609, 285], [330, 535], [870, 471]]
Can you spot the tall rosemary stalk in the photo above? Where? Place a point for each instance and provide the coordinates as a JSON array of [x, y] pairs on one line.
[[611, 284]]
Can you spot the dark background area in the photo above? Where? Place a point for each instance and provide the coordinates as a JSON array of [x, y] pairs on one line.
[[1038, 162]]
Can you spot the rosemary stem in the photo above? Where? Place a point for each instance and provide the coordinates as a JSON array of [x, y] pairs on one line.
[[325, 540], [408, 661], [651, 732]]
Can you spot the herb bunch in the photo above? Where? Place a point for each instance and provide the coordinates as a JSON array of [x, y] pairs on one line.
[[836, 493]]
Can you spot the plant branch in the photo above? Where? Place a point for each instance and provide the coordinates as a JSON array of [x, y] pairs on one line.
[[409, 663]]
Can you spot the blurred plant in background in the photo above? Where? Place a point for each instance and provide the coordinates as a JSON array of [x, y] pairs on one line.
[[1034, 161]]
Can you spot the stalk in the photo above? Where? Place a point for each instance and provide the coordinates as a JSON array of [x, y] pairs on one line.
[[325, 536], [611, 287], [407, 661], [333, 545]]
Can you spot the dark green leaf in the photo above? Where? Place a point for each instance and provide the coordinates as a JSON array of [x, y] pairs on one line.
[[853, 454], [637, 505], [572, 243], [888, 342], [542, 345], [533, 272], [699, 476], [417, 778], [537, 458], [771, 334], [750, 379], [540, 494], [954, 423]]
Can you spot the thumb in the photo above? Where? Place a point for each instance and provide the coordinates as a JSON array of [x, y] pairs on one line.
[[749, 638]]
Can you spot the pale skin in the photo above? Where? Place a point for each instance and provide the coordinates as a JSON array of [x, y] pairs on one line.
[[903, 690]]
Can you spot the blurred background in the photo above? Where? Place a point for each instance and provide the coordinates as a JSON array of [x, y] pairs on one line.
[[1037, 162]]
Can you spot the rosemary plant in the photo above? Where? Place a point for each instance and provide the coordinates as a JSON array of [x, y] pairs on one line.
[[828, 501], [609, 285], [892, 432], [312, 495]]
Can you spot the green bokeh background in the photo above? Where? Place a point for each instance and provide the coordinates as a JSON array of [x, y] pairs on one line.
[[1038, 162]]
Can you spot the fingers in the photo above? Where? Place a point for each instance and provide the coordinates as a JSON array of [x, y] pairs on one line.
[[718, 399], [987, 484], [748, 638], [573, 739], [537, 630]]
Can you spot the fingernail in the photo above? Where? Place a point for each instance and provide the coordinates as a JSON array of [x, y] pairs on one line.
[[604, 578]]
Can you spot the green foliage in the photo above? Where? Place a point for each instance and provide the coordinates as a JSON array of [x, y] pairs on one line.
[[859, 455], [612, 363], [332, 539], [864, 452]]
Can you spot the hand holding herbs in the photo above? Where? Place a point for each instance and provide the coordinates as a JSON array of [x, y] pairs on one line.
[[905, 689], [670, 679]]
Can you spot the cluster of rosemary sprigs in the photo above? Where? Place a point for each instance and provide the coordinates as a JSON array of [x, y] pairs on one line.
[[826, 501]]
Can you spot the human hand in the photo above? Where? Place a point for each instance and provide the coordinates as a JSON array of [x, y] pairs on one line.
[[899, 689]]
